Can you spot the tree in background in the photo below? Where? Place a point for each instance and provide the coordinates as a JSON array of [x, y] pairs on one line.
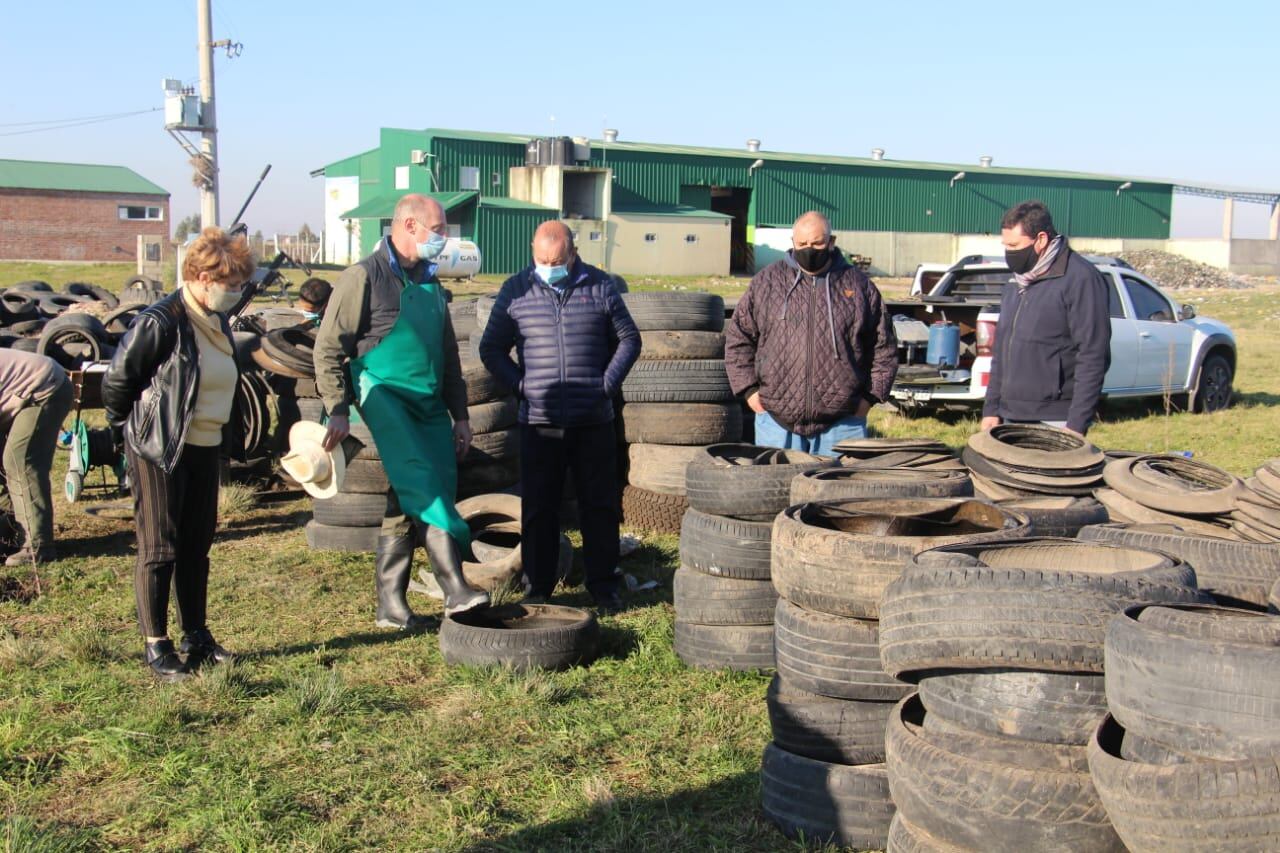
[[305, 234], [187, 227]]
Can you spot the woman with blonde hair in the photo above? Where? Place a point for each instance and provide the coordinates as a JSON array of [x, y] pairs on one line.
[[169, 395]]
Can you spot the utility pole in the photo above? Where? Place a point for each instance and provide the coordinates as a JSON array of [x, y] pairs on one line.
[[208, 117]]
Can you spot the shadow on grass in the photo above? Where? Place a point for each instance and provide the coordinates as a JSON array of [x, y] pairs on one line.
[[341, 643], [724, 815], [122, 542], [1258, 398]]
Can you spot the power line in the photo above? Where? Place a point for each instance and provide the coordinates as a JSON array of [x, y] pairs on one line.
[[63, 124]]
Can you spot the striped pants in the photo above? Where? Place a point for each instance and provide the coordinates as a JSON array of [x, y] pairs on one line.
[[176, 515]]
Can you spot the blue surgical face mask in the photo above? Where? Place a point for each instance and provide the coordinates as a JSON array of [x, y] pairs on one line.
[[431, 249], [552, 275]]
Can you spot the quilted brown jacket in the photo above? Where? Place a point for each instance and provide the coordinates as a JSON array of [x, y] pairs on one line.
[[813, 347]]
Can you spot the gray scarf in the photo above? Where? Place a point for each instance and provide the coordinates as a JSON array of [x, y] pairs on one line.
[[1042, 265]]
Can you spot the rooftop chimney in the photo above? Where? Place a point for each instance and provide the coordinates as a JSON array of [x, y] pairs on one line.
[[610, 135], [753, 145], [877, 153], [985, 161]]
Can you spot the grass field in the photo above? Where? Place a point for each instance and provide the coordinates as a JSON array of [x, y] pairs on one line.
[[333, 735]]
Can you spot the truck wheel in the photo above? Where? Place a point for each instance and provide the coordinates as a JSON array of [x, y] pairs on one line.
[[1213, 391]]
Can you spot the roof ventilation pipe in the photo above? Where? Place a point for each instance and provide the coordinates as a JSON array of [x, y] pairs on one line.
[[753, 145], [610, 135], [985, 161], [877, 153]]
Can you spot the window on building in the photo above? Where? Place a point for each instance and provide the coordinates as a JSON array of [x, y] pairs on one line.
[[496, 179], [651, 238], [1148, 304], [468, 178], [141, 213], [594, 236], [691, 238], [402, 177]]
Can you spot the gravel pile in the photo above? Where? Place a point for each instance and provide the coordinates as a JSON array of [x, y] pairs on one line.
[[1175, 272]]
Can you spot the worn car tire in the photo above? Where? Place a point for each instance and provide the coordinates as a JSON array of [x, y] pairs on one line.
[[725, 547], [1039, 604], [481, 479], [827, 484], [1201, 681], [1187, 807], [745, 480], [92, 291], [819, 727], [659, 345], [324, 537], [521, 636], [1048, 707], [489, 448], [493, 417], [659, 467], [679, 423], [365, 477], [482, 386], [832, 655], [822, 567], [692, 312], [701, 380], [1058, 516], [702, 599], [736, 647], [349, 509], [1164, 492], [999, 794], [646, 510], [826, 803]]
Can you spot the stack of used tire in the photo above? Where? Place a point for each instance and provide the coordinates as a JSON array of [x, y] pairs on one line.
[[824, 774], [675, 399], [1006, 642], [1198, 497], [1045, 472], [352, 519], [724, 598], [493, 463], [1187, 759], [82, 324]]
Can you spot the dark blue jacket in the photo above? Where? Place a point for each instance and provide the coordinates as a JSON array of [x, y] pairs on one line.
[[1053, 346], [573, 346]]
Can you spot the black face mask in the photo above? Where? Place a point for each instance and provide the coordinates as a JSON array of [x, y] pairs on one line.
[[1021, 261], [811, 259]]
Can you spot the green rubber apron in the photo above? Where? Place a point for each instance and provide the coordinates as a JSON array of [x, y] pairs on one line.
[[399, 384]]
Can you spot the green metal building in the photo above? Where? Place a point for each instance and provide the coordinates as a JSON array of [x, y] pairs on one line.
[[758, 190]]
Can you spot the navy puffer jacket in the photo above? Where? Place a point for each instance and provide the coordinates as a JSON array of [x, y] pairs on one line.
[[574, 346]]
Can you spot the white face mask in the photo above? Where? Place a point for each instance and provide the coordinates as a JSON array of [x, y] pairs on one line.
[[432, 248], [220, 299]]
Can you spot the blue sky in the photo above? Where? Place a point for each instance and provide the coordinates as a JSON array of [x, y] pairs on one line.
[[1176, 89]]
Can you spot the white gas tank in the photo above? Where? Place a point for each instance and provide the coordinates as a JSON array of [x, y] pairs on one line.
[[459, 259]]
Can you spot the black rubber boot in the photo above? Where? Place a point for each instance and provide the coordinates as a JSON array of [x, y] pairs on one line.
[[201, 648], [165, 664], [392, 567], [446, 565]]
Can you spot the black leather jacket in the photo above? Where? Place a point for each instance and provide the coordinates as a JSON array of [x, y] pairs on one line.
[[150, 389]]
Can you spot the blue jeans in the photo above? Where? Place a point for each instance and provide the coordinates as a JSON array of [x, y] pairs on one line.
[[770, 433]]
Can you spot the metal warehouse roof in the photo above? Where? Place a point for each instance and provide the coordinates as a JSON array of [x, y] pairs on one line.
[[384, 206], [785, 156], [513, 204], [74, 177]]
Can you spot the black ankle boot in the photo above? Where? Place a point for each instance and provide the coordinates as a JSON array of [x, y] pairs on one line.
[[200, 648], [393, 565], [165, 664], [446, 565]]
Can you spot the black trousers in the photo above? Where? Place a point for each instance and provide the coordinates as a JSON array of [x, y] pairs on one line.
[[589, 455], [176, 515]]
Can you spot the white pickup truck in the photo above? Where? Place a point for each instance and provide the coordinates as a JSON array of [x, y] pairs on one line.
[[1158, 348]]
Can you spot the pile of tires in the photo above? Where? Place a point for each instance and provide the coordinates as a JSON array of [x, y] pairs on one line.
[[724, 596], [676, 400], [80, 325], [1172, 489], [1256, 515], [493, 462], [352, 519], [895, 453], [1187, 759], [1006, 642], [824, 776], [1029, 460]]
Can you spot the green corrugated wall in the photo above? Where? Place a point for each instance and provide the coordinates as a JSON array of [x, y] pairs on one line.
[[488, 157], [503, 235]]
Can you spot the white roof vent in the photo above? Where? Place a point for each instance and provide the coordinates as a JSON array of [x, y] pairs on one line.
[[877, 153], [753, 145], [610, 135], [985, 161]]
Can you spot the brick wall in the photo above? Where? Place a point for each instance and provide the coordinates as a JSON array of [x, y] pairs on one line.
[[48, 225]]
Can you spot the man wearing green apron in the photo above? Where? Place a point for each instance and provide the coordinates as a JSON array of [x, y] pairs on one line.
[[386, 346]]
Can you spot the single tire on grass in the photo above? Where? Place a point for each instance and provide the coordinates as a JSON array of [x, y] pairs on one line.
[[521, 636]]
